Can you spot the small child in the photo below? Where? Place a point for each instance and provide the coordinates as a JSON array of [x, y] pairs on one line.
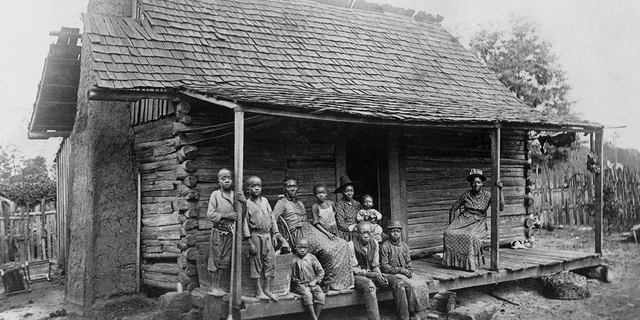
[[395, 260], [324, 212], [257, 227], [372, 216], [306, 276]]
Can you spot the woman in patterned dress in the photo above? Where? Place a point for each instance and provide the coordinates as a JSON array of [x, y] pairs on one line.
[[463, 238], [347, 209], [332, 254]]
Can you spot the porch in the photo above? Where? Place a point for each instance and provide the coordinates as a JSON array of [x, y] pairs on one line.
[[514, 264]]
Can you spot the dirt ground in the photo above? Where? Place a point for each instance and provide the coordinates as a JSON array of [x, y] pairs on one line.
[[617, 300]]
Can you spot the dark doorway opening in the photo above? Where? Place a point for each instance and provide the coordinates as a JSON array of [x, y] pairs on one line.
[[364, 158]]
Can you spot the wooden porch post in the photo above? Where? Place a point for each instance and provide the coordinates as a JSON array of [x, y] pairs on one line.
[[495, 199], [396, 183], [340, 157], [238, 164], [598, 182], [139, 233]]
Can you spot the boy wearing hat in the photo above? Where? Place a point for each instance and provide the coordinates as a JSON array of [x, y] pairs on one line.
[[395, 260], [365, 263]]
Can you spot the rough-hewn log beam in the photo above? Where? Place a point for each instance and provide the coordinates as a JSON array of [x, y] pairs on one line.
[[130, 95], [47, 135], [598, 149], [495, 177], [238, 165]]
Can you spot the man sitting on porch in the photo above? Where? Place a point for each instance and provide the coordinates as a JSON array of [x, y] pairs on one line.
[[365, 262]]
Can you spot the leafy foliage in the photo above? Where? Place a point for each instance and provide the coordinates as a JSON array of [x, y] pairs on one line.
[[525, 64], [611, 205], [553, 157], [5, 164], [31, 185]]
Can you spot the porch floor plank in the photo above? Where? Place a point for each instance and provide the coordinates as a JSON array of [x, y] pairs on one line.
[[524, 257], [514, 264]]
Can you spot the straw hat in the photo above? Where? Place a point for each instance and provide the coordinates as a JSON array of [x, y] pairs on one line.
[[476, 173], [345, 181]]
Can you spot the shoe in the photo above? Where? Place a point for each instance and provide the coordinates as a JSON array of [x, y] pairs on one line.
[[517, 244]]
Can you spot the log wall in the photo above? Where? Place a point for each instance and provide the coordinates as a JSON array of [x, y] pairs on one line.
[[179, 158], [436, 165]]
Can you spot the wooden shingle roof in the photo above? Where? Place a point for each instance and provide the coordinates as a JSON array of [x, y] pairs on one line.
[[304, 54]]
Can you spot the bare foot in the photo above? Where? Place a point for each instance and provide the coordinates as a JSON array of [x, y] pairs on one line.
[[216, 292], [271, 296], [262, 296]]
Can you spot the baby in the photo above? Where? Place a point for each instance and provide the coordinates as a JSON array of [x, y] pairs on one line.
[[372, 216]]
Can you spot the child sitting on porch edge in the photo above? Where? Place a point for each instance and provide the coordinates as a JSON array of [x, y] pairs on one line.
[[306, 276]]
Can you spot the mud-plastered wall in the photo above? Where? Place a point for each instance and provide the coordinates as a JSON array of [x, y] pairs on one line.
[[102, 215]]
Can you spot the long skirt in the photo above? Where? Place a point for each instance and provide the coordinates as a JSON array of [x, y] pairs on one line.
[[332, 254], [463, 242]]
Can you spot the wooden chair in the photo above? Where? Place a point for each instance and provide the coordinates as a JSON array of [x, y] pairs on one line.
[[14, 279], [283, 227], [35, 270]]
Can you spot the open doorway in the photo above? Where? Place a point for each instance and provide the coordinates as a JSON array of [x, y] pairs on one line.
[[364, 160]]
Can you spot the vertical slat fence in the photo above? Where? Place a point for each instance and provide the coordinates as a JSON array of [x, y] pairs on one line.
[[562, 199], [28, 236]]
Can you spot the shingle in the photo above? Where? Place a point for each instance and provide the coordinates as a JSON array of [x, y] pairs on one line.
[[356, 62]]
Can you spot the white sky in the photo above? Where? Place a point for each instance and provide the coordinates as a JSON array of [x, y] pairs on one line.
[[597, 43]]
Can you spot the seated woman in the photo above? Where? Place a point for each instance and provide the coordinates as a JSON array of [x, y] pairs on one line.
[[463, 238], [332, 254]]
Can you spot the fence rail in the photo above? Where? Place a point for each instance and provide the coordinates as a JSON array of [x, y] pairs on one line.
[[560, 199], [27, 237]]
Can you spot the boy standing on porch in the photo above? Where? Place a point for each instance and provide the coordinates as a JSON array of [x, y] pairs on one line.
[[222, 213], [257, 228], [306, 276], [395, 260]]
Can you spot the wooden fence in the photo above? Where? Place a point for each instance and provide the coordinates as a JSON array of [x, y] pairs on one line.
[[28, 237], [561, 199], [627, 187]]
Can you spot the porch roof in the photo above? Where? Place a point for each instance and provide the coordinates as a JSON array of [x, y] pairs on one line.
[[382, 62], [55, 107]]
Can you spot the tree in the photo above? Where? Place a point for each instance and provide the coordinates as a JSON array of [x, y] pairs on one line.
[[6, 166], [525, 64], [31, 185]]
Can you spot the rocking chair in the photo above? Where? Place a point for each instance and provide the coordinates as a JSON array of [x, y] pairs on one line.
[[283, 227]]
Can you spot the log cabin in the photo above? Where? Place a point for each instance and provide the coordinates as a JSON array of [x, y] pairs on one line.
[[164, 93]]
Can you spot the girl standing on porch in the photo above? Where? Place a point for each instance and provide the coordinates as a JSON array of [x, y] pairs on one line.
[[324, 212], [463, 238]]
